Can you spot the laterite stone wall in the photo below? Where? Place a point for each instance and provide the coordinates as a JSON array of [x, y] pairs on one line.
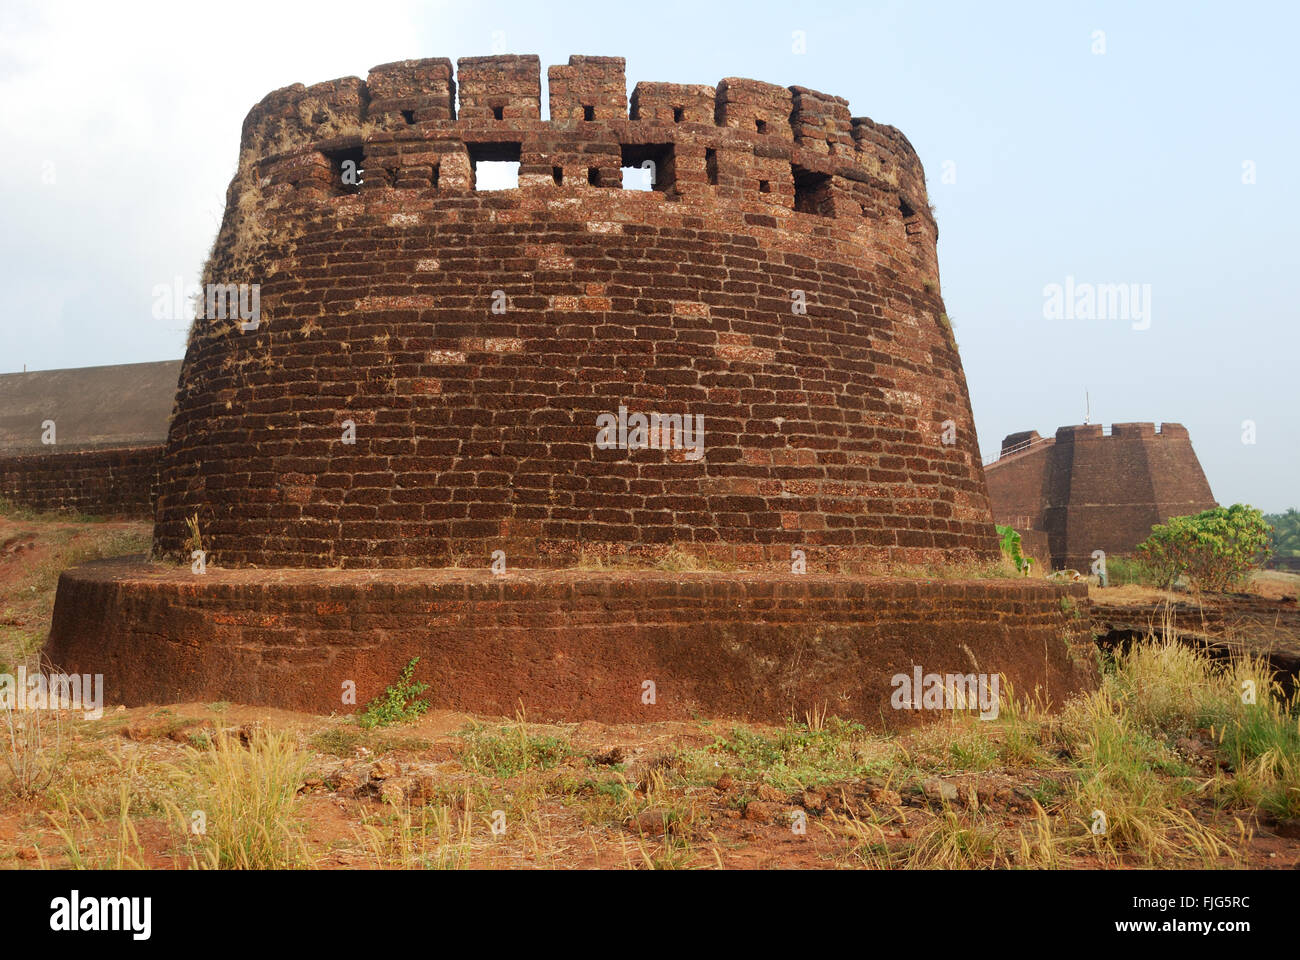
[[86, 439], [780, 281], [566, 645], [116, 482]]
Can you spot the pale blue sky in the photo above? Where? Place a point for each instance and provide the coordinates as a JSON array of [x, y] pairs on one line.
[[1119, 167]]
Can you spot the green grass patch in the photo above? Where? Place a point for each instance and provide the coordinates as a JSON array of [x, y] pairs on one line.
[[796, 757], [510, 750]]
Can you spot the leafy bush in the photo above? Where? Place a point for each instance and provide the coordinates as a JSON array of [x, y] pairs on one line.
[[1011, 548], [399, 704], [1214, 550]]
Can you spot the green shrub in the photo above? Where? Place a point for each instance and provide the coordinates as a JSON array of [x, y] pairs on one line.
[[1284, 538], [1214, 550], [399, 704], [1011, 548]]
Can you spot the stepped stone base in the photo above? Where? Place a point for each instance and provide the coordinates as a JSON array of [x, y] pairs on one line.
[[564, 644]]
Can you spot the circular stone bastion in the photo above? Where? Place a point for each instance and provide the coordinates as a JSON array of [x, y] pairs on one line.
[[646, 410]]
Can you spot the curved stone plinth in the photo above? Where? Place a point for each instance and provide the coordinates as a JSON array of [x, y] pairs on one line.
[[564, 644]]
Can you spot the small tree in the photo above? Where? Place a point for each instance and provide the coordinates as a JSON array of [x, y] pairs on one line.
[[1011, 548], [1214, 550]]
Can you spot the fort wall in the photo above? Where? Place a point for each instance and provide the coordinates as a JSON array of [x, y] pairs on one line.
[[1092, 489], [562, 645], [113, 482], [779, 280], [88, 439]]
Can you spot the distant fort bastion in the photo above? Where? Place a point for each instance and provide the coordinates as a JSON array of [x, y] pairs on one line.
[[1092, 487]]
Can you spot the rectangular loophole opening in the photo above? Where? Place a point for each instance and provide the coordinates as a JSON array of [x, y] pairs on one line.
[[588, 113], [498, 113], [408, 116], [711, 165], [494, 166], [649, 166], [345, 170], [764, 186], [678, 114], [557, 174], [812, 192]]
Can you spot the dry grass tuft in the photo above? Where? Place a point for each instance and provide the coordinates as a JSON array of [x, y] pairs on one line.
[[246, 799]]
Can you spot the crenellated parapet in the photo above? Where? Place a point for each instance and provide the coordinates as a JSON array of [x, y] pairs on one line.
[[589, 88], [410, 91], [1121, 431], [420, 125], [821, 123], [505, 88], [665, 103]]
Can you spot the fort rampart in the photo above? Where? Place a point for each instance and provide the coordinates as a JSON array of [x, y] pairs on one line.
[[87, 440], [117, 482], [1096, 488]]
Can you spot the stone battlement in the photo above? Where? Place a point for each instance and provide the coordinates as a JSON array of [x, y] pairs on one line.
[[1014, 444], [416, 125], [1120, 431]]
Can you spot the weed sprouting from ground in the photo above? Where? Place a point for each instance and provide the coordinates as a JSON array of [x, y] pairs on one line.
[[400, 703], [31, 744], [426, 838]]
